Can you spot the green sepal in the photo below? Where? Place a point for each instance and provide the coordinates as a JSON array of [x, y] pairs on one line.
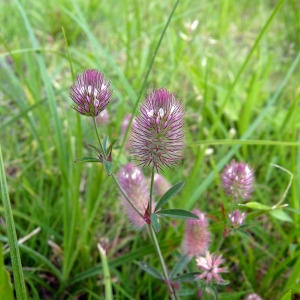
[[87, 159], [108, 167], [155, 222], [169, 194], [109, 151], [151, 270], [177, 214]]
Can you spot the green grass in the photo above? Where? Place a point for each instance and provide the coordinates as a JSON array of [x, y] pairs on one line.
[[237, 73]]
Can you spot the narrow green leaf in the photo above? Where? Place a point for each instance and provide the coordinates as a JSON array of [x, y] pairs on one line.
[[293, 210], [95, 148], [155, 222], [186, 292], [111, 146], [169, 194], [181, 263], [177, 214], [104, 144], [256, 205], [108, 167], [151, 270], [106, 273], [223, 283], [212, 290], [281, 215], [87, 159], [19, 281], [287, 296], [6, 287], [188, 277]]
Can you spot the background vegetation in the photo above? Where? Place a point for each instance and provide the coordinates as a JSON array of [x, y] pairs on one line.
[[234, 64]]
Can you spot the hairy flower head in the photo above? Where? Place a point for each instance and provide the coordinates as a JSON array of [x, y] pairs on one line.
[[197, 236], [91, 93], [135, 186], [158, 134], [210, 266], [238, 180], [253, 296], [237, 218]]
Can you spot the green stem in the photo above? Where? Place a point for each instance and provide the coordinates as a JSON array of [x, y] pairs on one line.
[[98, 137], [161, 260], [12, 237], [151, 191]]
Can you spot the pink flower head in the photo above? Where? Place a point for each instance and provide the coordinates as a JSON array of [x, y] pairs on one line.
[[238, 180], [160, 184], [210, 266], [91, 93], [197, 237], [158, 134], [135, 186], [253, 296], [237, 218]]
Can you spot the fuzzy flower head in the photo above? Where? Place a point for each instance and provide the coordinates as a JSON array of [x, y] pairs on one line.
[[197, 237], [91, 93], [158, 134], [134, 184], [253, 296], [210, 266], [238, 180], [237, 218]]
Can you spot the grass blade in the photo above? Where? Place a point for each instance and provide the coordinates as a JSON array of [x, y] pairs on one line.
[[106, 273], [12, 236]]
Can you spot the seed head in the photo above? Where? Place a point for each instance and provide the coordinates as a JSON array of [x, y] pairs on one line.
[[238, 180], [197, 237], [158, 134], [91, 93], [210, 266], [135, 186], [237, 218]]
